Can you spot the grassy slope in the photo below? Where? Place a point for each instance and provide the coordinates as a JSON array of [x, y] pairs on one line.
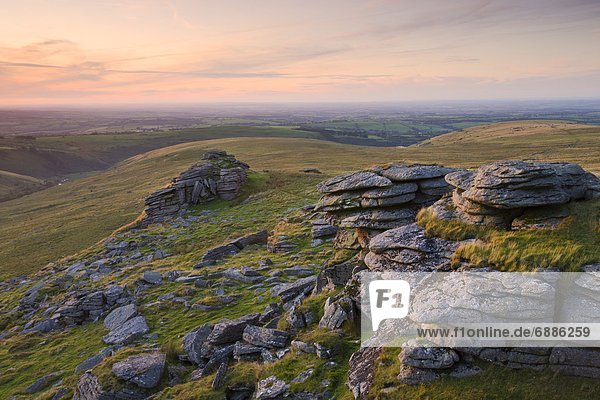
[[49, 157], [13, 185], [61, 220]]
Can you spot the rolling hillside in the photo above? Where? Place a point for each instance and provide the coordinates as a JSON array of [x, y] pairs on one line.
[[62, 220]]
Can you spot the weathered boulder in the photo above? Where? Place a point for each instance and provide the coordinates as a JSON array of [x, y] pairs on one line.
[[514, 184], [152, 277], [416, 376], [389, 197], [88, 388], [362, 370], [193, 342], [94, 360], [131, 330], [378, 219], [235, 246], [321, 228], [428, 357], [230, 331], [409, 249], [119, 316], [264, 337], [42, 383], [337, 312], [516, 194], [143, 370], [576, 361], [289, 291], [247, 352]]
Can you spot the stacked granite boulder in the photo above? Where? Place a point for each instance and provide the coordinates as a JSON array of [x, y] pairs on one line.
[[365, 203], [218, 176], [516, 194]]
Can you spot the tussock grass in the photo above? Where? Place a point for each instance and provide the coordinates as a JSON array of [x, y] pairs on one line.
[[576, 242]]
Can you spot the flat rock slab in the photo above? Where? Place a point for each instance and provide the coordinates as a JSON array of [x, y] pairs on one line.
[[264, 337], [411, 237], [290, 290], [144, 370], [353, 181], [128, 332], [407, 173], [119, 316]]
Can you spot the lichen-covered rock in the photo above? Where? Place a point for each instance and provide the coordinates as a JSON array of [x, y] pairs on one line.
[[353, 181], [516, 194], [408, 173], [129, 331], [576, 361], [143, 370], [88, 388], [119, 316], [193, 342], [388, 197], [428, 357], [337, 312], [409, 249], [362, 365], [264, 337], [271, 388], [231, 330], [378, 219]]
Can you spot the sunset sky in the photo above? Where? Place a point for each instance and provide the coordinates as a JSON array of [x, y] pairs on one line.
[[147, 51]]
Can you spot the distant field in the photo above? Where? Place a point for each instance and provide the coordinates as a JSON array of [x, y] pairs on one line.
[[63, 220]]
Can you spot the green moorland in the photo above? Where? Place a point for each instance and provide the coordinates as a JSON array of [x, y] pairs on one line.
[[70, 220], [61, 220], [53, 158]]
